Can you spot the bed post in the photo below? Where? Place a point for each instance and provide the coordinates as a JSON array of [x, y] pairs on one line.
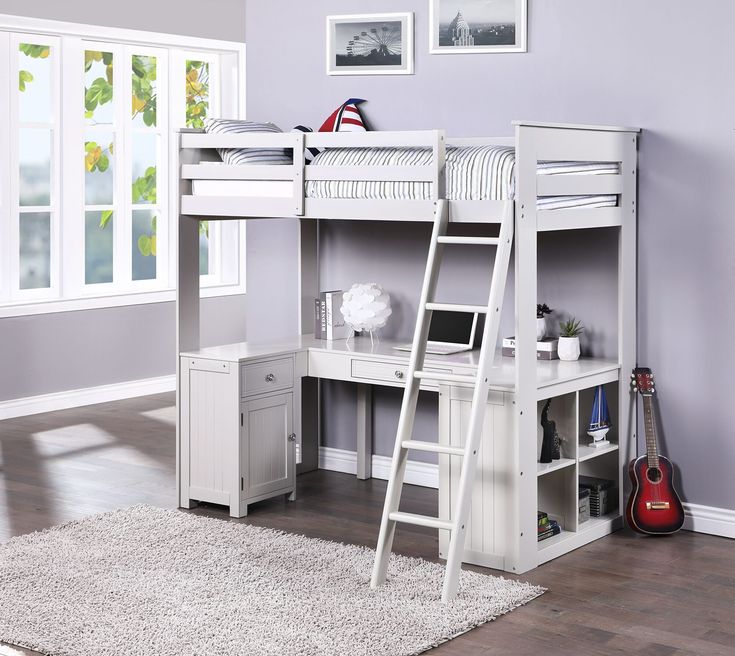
[[627, 304], [521, 540], [308, 402], [187, 303]]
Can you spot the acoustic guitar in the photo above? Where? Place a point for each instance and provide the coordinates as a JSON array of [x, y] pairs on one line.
[[654, 506]]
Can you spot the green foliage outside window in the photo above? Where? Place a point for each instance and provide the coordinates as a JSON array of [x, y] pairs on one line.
[[36, 52], [144, 95], [197, 93]]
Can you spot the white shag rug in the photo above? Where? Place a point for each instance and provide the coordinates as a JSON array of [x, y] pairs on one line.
[[151, 581]]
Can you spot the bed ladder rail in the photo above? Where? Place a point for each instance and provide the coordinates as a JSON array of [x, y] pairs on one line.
[[404, 442]]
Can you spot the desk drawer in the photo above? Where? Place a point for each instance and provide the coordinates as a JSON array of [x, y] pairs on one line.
[[261, 377], [389, 372]]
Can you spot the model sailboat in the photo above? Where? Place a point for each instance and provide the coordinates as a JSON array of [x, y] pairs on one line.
[[600, 422]]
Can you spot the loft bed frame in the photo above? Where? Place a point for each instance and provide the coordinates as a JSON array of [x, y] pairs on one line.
[[533, 142]]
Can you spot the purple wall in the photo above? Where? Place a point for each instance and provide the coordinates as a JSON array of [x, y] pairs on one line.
[[662, 65]]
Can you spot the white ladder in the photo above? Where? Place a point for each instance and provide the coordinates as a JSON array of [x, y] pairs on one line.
[[404, 441]]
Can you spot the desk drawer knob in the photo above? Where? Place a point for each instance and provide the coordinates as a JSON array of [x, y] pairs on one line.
[[399, 374], [270, 378]]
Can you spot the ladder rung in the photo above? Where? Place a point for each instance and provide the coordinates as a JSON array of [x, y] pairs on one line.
[[420, 520], [457, 307], [448, 378], [433, 447], [482, 241]]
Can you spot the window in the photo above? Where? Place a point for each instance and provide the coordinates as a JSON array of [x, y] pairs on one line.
[[88, 194]]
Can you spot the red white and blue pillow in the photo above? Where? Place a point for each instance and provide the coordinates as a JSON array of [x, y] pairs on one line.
[[346, 118]]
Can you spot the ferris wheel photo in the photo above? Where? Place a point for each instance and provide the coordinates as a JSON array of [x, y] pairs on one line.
[[370, 44]]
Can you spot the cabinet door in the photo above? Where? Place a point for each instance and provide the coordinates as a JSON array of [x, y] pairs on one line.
[[266, 447]]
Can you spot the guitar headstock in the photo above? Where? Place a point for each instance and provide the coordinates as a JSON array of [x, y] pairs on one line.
[[642, 381]]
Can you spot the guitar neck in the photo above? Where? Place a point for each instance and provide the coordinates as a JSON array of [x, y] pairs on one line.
[[650, 425]]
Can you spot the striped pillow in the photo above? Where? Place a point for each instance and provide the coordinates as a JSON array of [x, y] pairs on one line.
[[246, 155]]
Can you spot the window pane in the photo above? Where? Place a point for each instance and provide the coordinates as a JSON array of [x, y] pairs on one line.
[[34, 160], [203, 248], [197, 93], [144, 245], [144, 167], [35, 250], [34, 83], [98, 106], [144, 91], [98, 168], [98, 245]]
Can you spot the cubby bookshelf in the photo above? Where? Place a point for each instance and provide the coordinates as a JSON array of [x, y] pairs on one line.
[[558, 481]]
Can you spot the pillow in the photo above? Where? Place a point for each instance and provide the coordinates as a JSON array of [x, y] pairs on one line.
[[346, 118], [309, 153], [246, 155]]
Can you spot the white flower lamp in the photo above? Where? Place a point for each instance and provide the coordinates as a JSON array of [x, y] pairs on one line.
[[366, 307]]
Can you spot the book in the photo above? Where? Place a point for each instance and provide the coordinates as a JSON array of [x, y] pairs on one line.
[[333, 321], [540, 355], [320, 318], [318, 325], [545, 344], [549, 533]]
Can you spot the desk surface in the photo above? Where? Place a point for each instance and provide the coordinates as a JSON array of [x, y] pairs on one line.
[[549, 373]]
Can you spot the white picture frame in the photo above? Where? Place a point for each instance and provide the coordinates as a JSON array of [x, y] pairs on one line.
[[370, 44], [486, 28]]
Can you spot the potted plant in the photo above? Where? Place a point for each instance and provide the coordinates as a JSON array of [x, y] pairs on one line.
[[541, 311], [569, 333]]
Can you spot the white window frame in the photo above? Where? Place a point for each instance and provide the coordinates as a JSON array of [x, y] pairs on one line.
[[12, 255], [73, 39]]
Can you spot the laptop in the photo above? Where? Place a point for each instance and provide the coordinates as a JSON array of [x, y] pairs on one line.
[[449, 332]]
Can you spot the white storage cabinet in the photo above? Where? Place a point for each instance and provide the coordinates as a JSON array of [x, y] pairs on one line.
[[237, 431]]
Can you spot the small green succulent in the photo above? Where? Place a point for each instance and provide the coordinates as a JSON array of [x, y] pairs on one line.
[[571, 328]]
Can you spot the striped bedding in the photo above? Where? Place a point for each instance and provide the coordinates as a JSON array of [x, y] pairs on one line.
[[472, 173]]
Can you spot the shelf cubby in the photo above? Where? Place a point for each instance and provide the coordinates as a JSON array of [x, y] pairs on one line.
[[586, 398]]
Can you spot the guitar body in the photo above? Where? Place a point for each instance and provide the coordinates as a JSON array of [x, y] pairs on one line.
[[654, 506]]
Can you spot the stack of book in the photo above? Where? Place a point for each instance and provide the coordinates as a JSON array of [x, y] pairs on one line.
[[546, 348], [603, 494], [328, 320], [547, 527]]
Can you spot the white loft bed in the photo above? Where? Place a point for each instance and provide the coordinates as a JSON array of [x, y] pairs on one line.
[[533, 143]]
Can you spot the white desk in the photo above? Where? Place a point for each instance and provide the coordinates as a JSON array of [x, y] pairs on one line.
[[238, 381], [377, 363]]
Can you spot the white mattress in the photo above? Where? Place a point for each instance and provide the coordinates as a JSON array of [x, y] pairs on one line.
[[472, 173]]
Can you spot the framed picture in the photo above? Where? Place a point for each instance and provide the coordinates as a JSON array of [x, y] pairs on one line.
[[462, 26], [370, 44]]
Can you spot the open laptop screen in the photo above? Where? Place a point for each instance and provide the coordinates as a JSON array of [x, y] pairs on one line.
[[452, 327]]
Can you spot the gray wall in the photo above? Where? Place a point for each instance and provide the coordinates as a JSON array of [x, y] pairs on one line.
[[55, 352], [663, 65]]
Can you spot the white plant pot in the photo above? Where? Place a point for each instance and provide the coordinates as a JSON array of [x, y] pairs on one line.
[[569, 348], [540, 328]]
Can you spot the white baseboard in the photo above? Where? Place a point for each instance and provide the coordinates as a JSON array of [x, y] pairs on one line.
[[339, 460], [708, 519], [33, 405]]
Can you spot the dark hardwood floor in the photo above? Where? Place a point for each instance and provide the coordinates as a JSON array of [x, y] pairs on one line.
[[623, 594]]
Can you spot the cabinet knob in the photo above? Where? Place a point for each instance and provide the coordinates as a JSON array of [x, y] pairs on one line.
[[292, 437], [269, 378], [399, 374]]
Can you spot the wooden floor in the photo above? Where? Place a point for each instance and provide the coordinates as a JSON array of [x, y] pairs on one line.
[[623, 594]]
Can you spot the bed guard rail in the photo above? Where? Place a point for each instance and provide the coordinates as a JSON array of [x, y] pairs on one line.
[[197, 157]]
